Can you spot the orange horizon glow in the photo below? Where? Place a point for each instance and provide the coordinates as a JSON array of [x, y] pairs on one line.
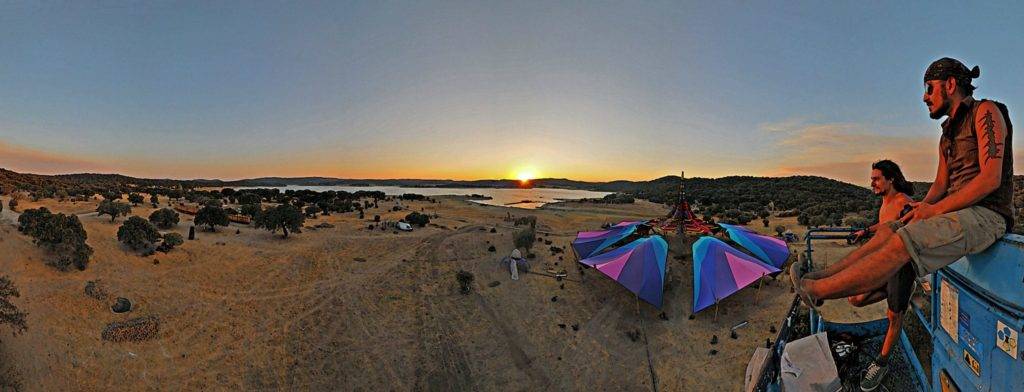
[[24, 159]]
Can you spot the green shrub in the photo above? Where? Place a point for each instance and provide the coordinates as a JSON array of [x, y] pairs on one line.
[[170, 241], [744, 218], [31, 218], [285, 217], [212, 216], [416, 218], [524, 238], [213, 202], [113, 208], [856, 222], [62, 235], [817, 220], [135, 198], [312, 210], [249, 198], [164, 218], [138, 233], [526, 221], [251, 210], [9, 314]]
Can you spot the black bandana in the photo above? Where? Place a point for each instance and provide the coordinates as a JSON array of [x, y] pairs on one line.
[[945, 67]]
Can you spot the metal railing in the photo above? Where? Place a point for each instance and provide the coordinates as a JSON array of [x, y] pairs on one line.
[[817, 234]]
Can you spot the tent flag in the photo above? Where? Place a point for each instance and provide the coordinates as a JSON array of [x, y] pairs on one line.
[[638, 265], [770, 250], [589, 243], [720, 270]]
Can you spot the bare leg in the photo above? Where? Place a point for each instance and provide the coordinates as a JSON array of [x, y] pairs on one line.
[[869, 297], [873, 244], [895, 323], [873, 268]]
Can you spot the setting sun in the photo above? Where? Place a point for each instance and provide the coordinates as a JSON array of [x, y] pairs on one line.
[[524, 173]]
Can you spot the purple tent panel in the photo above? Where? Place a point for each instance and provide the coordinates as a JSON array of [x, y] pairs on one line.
[[589, 243], [629, 223], [770, 250], [720, 270], [638, 265]]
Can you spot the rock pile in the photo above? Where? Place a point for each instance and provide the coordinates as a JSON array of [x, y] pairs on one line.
[[96, 290], [134, 330]]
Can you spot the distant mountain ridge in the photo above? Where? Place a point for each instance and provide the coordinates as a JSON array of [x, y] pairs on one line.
[[625, 186], [11, 177], [818, 200]]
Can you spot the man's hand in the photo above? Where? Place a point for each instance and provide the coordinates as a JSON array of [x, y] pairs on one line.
[[859, 234], [856, 237], [921, 211]]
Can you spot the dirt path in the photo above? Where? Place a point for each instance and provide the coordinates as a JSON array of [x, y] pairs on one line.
[[356, 309], [511, 338]]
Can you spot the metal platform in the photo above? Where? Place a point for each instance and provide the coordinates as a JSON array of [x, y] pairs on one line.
[[975, 319]]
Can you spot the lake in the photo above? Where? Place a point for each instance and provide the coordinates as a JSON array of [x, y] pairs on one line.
[[508, 197]]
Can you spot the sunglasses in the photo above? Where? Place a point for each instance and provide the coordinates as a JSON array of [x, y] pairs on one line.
[[928, 87]]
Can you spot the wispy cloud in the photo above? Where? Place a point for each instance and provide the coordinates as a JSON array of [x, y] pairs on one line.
[[845, 151], [29, 160]]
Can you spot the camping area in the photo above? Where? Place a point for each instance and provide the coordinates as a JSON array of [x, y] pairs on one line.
[[346, 306]]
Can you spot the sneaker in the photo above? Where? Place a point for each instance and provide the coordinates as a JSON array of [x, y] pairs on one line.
[[796, 273], [873, 376]]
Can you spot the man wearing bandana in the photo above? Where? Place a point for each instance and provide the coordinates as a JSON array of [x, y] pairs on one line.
[[968, 208]]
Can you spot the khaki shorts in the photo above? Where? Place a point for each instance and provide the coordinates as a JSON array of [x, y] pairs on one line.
[[938, 241]]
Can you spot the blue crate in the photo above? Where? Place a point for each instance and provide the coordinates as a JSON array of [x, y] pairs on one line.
[[978, 302]]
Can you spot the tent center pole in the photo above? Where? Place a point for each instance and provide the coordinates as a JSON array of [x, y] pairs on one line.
[[757, 294]]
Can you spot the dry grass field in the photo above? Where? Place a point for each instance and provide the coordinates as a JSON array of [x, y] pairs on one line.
[[347, 308]]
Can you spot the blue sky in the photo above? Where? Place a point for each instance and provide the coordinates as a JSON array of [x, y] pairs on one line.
[[584, 90]]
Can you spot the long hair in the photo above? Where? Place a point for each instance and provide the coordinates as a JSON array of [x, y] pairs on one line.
[[891, 171]]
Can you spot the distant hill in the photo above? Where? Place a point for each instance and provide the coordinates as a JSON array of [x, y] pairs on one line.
[[414, 183], [807, 196], [784, 192], [32, 181]]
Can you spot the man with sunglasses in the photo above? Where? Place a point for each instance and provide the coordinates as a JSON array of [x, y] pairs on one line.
[[967, 208]]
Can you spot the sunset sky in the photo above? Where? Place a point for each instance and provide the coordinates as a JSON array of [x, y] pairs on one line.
[[472, 90]]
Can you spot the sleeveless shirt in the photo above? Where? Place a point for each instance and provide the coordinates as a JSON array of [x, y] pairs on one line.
[[959, 145]]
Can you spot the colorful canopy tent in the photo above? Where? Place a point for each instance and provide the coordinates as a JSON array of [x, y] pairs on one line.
[[683, 217], [629, 223], [589, 243], [638, 265], [770, 250], [720, 270]]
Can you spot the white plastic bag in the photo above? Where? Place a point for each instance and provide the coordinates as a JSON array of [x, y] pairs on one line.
[[807, 365]]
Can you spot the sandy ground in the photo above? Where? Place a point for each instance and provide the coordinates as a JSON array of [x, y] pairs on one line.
[[346, 308]]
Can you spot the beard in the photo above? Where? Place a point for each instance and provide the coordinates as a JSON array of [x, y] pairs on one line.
[[941, 110], [879, 192]]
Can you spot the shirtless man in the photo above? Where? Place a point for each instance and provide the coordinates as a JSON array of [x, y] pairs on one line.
[[887, 181]]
